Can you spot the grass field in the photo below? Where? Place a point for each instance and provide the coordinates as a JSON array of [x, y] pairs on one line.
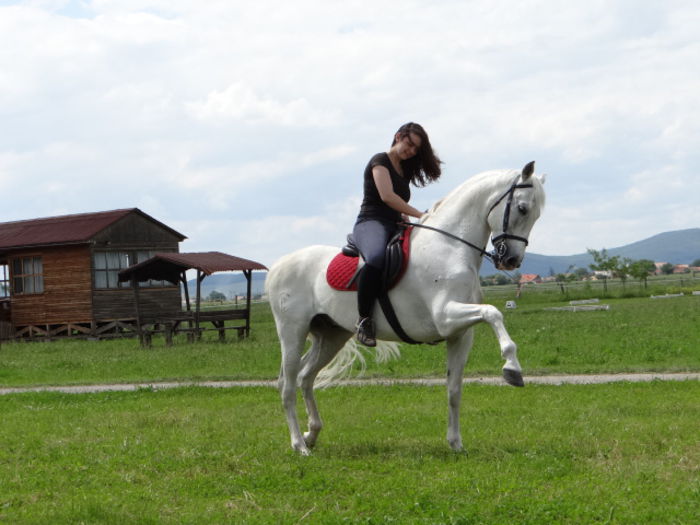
[[617, 453], [637, 334]]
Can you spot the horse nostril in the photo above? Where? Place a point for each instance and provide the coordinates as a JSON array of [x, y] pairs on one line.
[[513, 262]]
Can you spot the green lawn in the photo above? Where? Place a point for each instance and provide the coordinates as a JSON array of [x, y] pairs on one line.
[[616, 453], [635, 335]]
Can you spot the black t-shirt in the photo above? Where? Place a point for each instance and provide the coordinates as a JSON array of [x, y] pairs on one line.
[[372, 205]]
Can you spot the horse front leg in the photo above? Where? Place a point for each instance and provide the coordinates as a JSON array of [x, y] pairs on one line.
[[457, 355], [456, 317]]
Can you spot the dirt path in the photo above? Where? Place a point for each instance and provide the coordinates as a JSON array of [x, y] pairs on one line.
[[587, 379]]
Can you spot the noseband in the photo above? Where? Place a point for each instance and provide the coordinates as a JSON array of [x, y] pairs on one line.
[[499, 241]]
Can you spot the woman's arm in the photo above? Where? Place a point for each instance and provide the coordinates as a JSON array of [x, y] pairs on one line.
[[382, 181]]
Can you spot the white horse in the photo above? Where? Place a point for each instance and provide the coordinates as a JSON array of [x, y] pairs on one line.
[[438, 297]]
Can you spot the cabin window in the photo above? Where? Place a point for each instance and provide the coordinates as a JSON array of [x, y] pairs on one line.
[[27, 275], [107, 266], [4, 281]]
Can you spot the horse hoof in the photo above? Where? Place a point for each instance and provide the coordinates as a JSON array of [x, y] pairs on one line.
[[456, 445], [302, 451], [513, 377], [309, 439]]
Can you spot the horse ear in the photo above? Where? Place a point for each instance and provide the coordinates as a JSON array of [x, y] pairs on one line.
[[542, 177], [528, 170]]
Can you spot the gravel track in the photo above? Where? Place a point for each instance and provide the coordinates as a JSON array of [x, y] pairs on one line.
[[583, 379]]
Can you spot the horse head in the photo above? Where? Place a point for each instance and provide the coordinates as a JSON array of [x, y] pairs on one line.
[[512, 216]]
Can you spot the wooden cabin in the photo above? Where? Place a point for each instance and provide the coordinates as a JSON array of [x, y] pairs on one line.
[[59, 275]]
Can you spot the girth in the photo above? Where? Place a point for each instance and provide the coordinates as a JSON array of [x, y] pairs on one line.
[[394, 266]]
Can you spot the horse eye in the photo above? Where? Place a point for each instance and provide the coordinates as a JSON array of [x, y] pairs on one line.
[[522, 209]]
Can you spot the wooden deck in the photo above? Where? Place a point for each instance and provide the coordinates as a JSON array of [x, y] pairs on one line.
[[166, 325]]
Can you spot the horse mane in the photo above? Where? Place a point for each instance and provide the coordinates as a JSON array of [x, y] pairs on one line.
[[496, 178]]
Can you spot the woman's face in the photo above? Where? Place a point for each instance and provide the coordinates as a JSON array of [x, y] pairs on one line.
[[408, 146]]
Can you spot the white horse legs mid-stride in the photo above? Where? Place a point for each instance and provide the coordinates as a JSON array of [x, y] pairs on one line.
[[438, 298]]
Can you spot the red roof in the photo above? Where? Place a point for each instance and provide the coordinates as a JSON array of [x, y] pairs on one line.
[[65, 229], [168, 266]]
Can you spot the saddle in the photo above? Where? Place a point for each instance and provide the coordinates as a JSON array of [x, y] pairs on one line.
[[343, 270]]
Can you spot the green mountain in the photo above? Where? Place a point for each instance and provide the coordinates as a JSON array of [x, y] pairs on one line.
[[228, 283], [676, 247]]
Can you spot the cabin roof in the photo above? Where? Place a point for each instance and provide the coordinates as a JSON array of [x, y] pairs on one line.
[[169, 266], [65, 229]]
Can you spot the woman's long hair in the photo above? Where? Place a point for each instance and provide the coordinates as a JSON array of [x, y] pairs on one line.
[[424, 167]]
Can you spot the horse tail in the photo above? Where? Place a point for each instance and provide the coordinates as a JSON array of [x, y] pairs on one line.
[[342, 364]]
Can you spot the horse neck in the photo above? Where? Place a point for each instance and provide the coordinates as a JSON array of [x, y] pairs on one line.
[[465, 210]]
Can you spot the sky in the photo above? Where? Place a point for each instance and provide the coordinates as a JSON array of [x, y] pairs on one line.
[[246, 126]]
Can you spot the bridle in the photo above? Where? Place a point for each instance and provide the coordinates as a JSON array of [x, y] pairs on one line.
[[499, 241]]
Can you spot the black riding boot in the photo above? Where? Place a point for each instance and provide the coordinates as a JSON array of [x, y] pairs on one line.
[[368, 286]]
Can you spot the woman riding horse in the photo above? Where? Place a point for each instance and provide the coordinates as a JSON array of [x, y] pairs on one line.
[[410, 160]]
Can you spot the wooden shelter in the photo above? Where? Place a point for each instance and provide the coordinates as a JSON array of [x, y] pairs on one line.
[[173, 267], [58, 275]]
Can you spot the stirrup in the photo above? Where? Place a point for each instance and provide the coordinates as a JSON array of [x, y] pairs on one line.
[[365, 332]]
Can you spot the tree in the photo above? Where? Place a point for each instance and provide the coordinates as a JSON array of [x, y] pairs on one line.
[[604, 263], [563, 279], [696, 262], [215, 295], [580, 273], [622, 269], [501, 279], [667, 269], [641, 270]]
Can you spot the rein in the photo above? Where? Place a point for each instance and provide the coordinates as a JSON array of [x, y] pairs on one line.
[[498, 241], [483, 252]]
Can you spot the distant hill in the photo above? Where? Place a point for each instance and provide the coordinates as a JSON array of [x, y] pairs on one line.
[[228, 283], [676, 247]]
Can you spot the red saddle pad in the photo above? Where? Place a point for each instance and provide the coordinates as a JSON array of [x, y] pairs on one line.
[[342, 268]]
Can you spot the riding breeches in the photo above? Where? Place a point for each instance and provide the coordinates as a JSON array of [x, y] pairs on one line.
[[371, 238]]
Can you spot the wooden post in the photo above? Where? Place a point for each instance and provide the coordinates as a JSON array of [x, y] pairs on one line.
[[183, 276], [249, 277], [222, 330], [139, 331], [200, 277], [168, 333]]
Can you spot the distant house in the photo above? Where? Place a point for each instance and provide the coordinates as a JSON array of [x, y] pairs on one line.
[[658, 266], [58, 275], [530, 278], [681, 268]]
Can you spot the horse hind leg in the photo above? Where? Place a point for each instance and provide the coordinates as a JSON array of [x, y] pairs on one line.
[[292, 339], [327, 340]]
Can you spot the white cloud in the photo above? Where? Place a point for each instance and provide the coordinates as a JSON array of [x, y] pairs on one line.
[[240, 102], [213, 109]]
